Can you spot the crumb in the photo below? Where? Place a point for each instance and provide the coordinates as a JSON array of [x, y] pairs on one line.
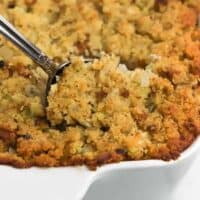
[[101, 112]]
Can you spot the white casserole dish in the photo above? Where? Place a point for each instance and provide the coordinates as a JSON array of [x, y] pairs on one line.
[[152, 179]]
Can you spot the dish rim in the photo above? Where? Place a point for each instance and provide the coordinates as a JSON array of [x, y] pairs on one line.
[[140, 164]]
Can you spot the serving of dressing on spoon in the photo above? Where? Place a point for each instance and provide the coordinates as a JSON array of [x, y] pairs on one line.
[[47, 64]]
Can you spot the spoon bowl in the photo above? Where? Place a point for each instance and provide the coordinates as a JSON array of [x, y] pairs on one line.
[[47, 64]]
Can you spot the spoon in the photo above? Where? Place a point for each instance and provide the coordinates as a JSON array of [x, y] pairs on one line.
[[51, 68]]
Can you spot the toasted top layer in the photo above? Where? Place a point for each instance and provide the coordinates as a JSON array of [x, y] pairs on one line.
[[136, 112], [131, 30], [101, 112]]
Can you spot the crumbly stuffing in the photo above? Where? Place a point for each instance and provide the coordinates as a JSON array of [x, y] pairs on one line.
[[147, 107]]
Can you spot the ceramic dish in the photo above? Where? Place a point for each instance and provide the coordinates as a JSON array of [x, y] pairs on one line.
[[152, 179]]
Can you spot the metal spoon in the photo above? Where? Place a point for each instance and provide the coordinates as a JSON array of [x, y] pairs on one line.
[[47, 64]]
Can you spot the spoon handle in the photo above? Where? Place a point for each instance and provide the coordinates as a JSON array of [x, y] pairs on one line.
[[10, 32]]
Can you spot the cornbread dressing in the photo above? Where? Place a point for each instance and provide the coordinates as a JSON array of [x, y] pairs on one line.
[[102, 111]]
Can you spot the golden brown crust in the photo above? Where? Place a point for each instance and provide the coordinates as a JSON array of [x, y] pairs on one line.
[[101, 113], [7, 159]]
